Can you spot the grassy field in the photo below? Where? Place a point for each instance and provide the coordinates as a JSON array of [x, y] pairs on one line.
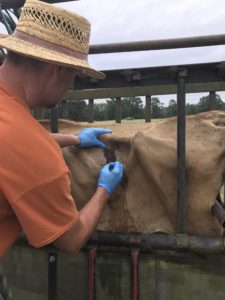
[[135, 121]]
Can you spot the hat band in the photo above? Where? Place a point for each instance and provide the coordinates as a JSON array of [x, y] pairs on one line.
[[48, 45]]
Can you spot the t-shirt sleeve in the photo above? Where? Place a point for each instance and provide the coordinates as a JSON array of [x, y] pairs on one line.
[[46, 211]]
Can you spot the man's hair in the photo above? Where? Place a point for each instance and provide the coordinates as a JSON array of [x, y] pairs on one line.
[[19, 60]]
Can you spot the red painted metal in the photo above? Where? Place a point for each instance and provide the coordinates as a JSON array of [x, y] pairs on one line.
[[134, 242], [134, 256]]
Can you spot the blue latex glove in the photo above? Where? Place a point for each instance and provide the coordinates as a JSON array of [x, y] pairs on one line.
[[110, 176], [89, 137]]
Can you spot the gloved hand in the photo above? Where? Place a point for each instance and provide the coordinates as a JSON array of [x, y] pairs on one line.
[[88, 137], [110, 176]]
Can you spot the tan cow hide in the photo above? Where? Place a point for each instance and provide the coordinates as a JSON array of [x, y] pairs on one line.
[[146, 200]]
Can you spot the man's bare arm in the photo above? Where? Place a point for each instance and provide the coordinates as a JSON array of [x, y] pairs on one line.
[[65, 140], [74, 238], [88, 137]]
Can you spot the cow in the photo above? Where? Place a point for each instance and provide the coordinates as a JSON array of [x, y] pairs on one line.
[[146, 199]]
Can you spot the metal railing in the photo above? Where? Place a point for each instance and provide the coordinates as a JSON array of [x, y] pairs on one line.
[[136, 243]]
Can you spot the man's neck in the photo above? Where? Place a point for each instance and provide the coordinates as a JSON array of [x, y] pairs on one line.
[[18, 81]]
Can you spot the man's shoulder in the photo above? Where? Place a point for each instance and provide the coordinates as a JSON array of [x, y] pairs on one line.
[[22, 136], [29, 155]]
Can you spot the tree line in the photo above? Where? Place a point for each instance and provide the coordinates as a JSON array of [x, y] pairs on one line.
[[133, 108]]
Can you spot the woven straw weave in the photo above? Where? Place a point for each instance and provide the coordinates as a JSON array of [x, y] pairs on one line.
[[52, 34], [53, 24]]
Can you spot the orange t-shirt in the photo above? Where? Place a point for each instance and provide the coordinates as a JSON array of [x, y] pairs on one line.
[[34, 179]]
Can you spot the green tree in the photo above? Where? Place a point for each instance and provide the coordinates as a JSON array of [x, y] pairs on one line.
[[157, 108], [100, 111], [132, 107], [205, 104], [111, 109], [171, 110], [192, 109], [77, 110]]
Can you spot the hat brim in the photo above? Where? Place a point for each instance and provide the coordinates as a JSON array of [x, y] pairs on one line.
[[20, 46]]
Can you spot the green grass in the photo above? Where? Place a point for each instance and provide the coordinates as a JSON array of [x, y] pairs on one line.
[[135, 121]]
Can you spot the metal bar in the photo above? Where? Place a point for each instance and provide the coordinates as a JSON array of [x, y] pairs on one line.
[[212, 100], [196, 41], [134, 257], [54, 120], [118, 110], [114, 242], [135, 241], [148, 107], [17, 12], [10, 20], [103, 93], [52, 276], [188, 42], [91, 111], [154, 81], [150, 242], [4, 19], [91, 272], [181, 205], [8, 4]]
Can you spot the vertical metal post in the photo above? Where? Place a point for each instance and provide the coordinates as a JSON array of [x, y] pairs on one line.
[[134, 244], [212, 100], [148, 108], [181, 205], [118, 110], [54, 120], [91, 111], [91, 272], [64, 107], [52, 276]]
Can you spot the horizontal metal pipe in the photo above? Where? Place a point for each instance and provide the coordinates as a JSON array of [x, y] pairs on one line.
[[196, 41], [187, 42], [178, 242], [113, 242], [8, 4]]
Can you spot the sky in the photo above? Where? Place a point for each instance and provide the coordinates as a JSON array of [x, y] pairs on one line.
[[137, 20], [115, 21]]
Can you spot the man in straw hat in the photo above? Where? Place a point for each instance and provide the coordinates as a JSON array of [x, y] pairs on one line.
[[47, 50]]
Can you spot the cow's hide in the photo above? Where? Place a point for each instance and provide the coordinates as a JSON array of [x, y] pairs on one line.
[[146, 200]]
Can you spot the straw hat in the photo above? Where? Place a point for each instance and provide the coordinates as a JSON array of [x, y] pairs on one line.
[[52, 34]]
